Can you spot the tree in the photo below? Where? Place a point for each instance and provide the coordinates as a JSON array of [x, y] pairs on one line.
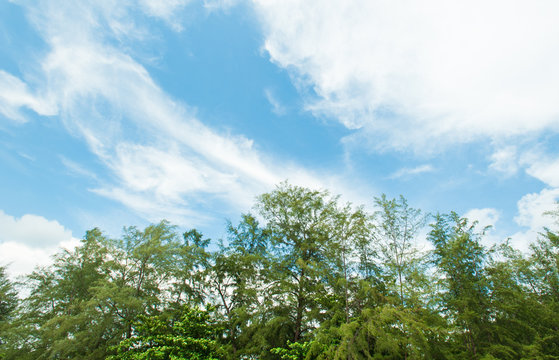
[[397, 229], [461, 259], [189, 334], [544, 280], [60, 320], [351, 228], [238, 278], [140, 264], [294, 351], [518, 318], [300, 223], [190, 264], [8, 296], [8, 305], [89, 298]]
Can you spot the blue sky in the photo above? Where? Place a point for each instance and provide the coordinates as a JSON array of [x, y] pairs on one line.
[[117, 113]]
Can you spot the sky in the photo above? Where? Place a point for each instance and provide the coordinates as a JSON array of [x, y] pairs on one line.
[[125, 112]]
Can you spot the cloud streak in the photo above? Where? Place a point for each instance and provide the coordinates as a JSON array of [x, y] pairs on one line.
[[164, 162], [408, 172], [277, 107], [15, 94]]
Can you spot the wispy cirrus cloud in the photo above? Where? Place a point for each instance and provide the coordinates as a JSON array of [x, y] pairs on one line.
[[169, 10], [162, 160], [277, 107], [77, 169], [408, 172], [15, 94]]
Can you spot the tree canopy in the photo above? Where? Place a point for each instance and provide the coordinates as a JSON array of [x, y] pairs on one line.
[[305, 276]]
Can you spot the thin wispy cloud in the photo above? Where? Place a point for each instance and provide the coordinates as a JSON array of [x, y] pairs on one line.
[[77, 169], [163, 160], [169, 10], [277, 107], [15, 95], [409, 172]]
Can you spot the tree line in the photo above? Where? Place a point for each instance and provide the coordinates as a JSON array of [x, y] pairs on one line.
[[304, 277]]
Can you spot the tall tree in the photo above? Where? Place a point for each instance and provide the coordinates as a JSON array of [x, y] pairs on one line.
[[461, 259], [60, 319], [299, 221], [141, 262], [90, 297], [238, 279], [544, 271], [190, 264], [519, 319], [397, 228], [8, 304], [351, 228]]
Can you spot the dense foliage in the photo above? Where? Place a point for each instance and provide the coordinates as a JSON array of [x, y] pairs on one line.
[[314, 279]]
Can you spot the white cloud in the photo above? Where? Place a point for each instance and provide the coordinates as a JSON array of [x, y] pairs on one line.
[[544, 168], [531, 209], [532, 158], [77, 169], [505, 160], [30, 241], [484, 217], [407, 172], [14, 94], [168, 10], [531, 215], [32, 230], [21, 259], [277, 107], [163, 160], [220, 4], [422, 75], [163, 9]]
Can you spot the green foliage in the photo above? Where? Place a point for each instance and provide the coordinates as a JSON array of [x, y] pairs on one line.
[[8, 305], [189, 334], [305, 278], [294, 351], [236, 277], [385, 332], [300, 223], [461, 259], [8, 297], [61, 315], [403, 264]]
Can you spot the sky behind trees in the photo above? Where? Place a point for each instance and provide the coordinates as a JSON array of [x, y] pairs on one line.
[[128, 112]]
